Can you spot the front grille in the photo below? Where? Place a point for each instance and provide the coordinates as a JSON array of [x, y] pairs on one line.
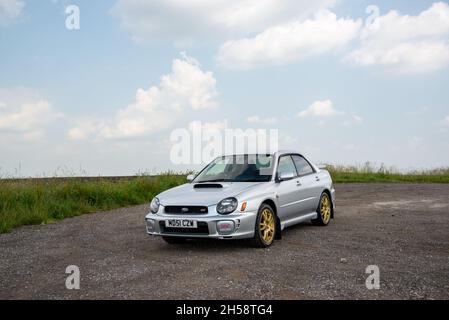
[[186, 210], [201, 229]]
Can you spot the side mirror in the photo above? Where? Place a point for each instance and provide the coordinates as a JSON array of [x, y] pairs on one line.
[[190, 177], [283, 176]]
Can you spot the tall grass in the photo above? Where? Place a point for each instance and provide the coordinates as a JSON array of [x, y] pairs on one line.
[[368, 172], [37, 201]]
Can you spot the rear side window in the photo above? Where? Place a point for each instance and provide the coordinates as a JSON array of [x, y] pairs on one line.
[[286, 166], [302, 166]]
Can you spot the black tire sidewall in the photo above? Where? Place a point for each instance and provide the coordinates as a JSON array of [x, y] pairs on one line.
[[319, 220]]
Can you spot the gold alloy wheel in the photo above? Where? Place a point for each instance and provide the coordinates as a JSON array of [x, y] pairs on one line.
[[325, 208], [266, 226]]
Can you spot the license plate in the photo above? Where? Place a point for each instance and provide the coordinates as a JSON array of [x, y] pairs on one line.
[[180, 223]]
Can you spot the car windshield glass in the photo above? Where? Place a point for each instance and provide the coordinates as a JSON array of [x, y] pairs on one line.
[[245, 168]]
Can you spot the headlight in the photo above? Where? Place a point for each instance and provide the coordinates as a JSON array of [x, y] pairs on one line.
[[154, 206], [227, 206]]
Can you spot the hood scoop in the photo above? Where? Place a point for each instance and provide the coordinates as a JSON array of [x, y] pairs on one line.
[[207, 186]]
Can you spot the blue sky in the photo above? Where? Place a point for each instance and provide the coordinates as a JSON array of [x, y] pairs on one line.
[[336, 88]]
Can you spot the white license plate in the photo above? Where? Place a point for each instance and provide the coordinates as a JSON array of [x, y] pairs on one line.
[[180, 223]]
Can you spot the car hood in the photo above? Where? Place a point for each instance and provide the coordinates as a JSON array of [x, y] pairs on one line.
[[186, 194]]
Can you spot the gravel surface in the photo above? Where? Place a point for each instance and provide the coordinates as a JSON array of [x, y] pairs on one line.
[[401, 228]]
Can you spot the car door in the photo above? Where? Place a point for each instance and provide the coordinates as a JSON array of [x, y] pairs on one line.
[[309, 186], [287, 190]]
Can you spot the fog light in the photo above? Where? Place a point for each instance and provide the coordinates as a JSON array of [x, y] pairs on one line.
[[225, 227], [150, 225]]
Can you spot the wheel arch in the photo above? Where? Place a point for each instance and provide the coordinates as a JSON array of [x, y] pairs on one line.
[[273, 205], [327, 191]]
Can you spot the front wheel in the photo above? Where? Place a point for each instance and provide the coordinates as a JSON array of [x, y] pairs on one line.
[[265, 229], [324, 211]]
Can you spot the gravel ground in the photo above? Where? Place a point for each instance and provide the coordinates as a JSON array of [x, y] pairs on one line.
[[401, 228]]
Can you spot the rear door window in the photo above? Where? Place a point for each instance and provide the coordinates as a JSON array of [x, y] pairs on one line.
[[302, 166]]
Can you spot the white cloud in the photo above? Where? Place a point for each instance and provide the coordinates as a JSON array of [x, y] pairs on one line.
[[406, 44], [23, 111], [291, 41], [10, 10], [263, 121], [159, 107], [323, 108], [187, 20], [84, 129], [26, 116], [445, 122], [353, 119]]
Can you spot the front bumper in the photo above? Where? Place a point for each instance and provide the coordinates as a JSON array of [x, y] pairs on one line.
[[244, 224]]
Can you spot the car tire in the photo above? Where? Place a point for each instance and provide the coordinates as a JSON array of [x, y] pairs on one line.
[[174, 240], [265, 227], [324, 210]]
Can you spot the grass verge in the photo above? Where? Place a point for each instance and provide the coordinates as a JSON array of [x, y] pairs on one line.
[[369, 173], [41, 201]]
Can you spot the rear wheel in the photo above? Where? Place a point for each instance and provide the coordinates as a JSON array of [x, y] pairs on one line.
[[324, 211], [174, 240], [265, 228]]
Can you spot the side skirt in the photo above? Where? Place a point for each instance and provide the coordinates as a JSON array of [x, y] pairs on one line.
[[296, 220]]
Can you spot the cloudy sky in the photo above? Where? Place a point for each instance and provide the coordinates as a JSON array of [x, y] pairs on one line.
[[341, 83]]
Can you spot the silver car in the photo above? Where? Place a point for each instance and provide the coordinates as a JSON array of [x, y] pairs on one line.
[[244, 197]]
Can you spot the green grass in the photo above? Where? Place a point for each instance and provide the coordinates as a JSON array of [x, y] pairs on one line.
[[369, 173], [41, 201]]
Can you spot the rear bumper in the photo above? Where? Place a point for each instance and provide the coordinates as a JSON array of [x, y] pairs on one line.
[[244, 224]]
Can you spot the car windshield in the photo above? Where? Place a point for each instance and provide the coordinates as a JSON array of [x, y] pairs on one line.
[[244, 168]]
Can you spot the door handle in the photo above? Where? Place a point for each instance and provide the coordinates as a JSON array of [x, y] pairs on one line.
[[298, 183], [317, 178]]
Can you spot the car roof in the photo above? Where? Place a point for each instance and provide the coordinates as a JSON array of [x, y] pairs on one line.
[[282, 152], [277, 153]]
